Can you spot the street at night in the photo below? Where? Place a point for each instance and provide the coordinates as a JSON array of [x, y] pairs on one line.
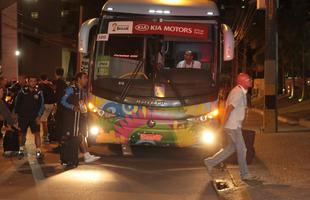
[[154, 99], [152, 173], [164, 173]]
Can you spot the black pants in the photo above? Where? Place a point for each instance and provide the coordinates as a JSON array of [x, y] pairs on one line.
[[1, 124], [59, 123]]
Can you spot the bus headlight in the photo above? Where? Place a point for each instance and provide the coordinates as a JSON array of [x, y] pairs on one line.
[[94, 130], [208, 137]]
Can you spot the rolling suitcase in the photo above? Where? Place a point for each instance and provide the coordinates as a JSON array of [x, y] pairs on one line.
[[69, 151]]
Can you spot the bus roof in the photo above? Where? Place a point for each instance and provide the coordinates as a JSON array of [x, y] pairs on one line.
[[163, 7]]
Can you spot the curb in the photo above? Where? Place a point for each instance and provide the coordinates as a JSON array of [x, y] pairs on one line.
[[281, 118]]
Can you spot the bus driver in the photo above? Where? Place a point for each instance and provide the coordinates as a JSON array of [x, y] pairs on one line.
[[188, 61]]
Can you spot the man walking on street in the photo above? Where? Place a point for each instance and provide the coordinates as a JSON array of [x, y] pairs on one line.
[[29, 107], [231, 124], [75, 113]]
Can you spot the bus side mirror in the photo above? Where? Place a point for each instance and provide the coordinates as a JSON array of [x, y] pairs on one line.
[[229, 43], [84, 34]]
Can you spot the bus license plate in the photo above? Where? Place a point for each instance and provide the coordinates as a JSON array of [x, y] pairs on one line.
[[150, 137]]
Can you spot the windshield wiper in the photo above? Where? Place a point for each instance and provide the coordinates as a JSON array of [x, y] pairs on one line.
[[172, 85], [129, 82]]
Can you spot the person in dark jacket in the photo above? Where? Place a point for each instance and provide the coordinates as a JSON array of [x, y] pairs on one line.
[[75, 113], [49, 102], [14, 89], [60, 86], [6, 116], [29, 107], [5, 113]]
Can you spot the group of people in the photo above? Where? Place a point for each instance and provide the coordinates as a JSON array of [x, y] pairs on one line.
[[28, 103]]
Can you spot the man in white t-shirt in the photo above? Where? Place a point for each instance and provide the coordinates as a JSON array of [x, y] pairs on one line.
[[231, 123], [188, 61]]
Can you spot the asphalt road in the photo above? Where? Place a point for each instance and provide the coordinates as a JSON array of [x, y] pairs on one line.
[[152, 173]]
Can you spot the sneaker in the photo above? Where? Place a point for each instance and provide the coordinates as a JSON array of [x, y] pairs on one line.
[[7, 153], [208, 165], [249, 177], [39, 155], [91, 158], [21, 154]]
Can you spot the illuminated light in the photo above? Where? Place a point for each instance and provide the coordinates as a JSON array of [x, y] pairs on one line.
[[94, 130], [84, 175], [172, 2], [208, 137], [91, 106], [8, 98], [159, 11], [110, 9], [17, 53], [210, 13], [81, 49], [215, 113], [242, 6]]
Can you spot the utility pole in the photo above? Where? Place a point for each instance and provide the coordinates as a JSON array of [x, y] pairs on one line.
[[270, 123]]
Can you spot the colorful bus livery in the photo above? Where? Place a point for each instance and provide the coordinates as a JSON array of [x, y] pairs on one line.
[[140, 125], [138, 96]]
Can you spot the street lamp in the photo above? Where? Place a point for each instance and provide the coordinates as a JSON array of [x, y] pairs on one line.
[[17, 53]]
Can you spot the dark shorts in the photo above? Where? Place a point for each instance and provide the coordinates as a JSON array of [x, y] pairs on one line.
[[24, 123]]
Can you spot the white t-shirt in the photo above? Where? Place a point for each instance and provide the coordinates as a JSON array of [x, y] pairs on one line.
[[194, 64], [236, 98]]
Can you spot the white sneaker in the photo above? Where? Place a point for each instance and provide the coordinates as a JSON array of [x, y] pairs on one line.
[[91, 158], [7, 153], [249, 177]]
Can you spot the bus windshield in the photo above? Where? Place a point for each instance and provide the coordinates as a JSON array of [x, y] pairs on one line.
[[124, 45], [148, 51]]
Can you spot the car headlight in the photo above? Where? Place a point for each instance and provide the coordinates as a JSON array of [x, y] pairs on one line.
[[94, 130], [91, 107], [208, 137]]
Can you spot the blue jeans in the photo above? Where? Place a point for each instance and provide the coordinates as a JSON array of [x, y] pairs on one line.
[[235, 143]]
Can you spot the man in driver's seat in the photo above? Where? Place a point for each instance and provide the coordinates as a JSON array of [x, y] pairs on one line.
[[188, 61]]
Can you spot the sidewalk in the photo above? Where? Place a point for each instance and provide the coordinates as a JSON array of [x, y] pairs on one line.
[[289, 110], [282, 164]]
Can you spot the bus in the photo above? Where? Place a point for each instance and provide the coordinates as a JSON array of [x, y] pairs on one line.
[[137, 95]]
